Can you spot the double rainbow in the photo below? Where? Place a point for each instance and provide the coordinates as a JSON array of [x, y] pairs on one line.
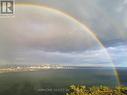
[[85, 27]]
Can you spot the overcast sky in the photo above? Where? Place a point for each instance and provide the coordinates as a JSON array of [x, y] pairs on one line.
[[40, 36]]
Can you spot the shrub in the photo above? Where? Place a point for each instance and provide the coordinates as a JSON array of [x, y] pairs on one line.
[[100, 90]]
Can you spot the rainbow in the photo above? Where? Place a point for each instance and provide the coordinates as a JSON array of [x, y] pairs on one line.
[[84, 26]]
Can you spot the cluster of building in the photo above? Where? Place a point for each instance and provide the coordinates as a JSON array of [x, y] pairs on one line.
[[29, 68]]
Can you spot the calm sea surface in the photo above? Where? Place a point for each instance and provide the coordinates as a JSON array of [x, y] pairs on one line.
[[56, 82]]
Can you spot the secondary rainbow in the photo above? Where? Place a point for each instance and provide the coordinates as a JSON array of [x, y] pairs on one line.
[[85, 27]]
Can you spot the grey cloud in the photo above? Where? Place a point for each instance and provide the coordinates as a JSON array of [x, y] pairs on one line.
[[29, 38], [90, 57], [99, 15], [47, 31]]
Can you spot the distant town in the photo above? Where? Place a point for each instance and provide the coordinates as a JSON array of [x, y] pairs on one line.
[[27, 68], [24, 68]]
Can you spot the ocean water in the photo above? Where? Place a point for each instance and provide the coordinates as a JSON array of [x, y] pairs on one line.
[[122, 74], [56, 82]]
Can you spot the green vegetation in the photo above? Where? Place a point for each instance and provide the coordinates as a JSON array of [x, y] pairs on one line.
[[101, 90]]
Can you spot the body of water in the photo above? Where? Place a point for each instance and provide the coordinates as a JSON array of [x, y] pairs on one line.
[[56, 82]]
